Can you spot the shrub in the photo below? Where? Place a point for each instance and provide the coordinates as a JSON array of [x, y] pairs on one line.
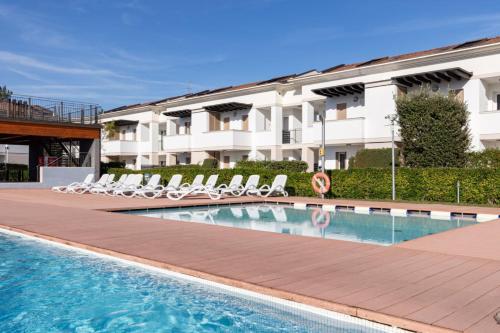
[[292, 166], [210, 163], [477, 186], [299, 183], [488, 158], [434, 129], [373, 158], [106, 166]]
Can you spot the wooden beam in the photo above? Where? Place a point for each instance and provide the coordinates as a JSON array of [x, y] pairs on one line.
[[443, 76], [413, 80], [404, 82], [55, 130], [431, 77], [453, 75], [423, 79]]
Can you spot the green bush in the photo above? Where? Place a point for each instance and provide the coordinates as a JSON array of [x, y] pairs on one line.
[[488, 158], [477, 186], [299, 183], [373, 158], [13, 172], [292, 166], [434, 129], [210, 163], [106, 166]]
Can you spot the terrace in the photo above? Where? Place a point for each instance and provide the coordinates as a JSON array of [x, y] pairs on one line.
[[430, 284]]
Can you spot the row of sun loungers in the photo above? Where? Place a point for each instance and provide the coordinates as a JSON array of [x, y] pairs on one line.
[[131, 186]]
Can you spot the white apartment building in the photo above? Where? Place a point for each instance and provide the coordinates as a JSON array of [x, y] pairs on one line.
[[278, 119]]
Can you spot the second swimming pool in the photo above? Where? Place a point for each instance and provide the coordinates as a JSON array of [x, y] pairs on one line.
[[374, 228]]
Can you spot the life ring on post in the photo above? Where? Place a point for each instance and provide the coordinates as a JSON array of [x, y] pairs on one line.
[[320, 182], [320, 218]]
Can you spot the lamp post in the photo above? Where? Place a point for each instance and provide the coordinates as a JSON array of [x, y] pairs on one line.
[[322, 149], [6, 154], [392, 119]]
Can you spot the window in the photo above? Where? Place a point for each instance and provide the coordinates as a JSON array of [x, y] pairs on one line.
[[244, 123], [187, 125], [341, 111], [134, 135], [226, 123], [341, 158], [244, 158], [162, 163], [498, 101], [188, 160]]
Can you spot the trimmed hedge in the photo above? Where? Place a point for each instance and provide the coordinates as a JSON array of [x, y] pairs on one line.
[[488, 158], [477, 186], [373, 158], [13, 172], [299, 183], [291, 166]]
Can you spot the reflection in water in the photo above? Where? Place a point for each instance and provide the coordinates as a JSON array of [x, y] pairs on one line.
[[315, 222]]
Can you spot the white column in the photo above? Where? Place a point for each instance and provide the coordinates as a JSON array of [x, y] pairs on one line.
[[308, 157], [276, 132], [476, 99]]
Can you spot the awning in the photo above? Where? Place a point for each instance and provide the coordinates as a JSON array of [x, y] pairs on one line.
[[123, 122], [446, 75], [178, 114], [348, 89], [233, 106]]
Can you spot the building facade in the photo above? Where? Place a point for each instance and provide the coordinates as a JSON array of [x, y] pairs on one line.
[[278, 119]]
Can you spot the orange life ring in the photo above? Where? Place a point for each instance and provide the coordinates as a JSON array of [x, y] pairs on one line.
[[320, 182], [320, 213]]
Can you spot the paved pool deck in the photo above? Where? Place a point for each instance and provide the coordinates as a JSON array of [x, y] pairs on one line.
[[448, 282]]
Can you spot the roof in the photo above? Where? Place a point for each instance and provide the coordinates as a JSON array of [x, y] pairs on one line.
[[336, 68]]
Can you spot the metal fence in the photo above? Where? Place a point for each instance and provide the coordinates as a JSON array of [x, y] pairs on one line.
[[31, 108]]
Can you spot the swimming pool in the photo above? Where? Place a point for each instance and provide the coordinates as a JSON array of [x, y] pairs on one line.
[[44, 288], [374, 228]]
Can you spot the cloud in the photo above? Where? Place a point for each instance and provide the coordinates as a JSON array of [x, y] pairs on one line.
[[21, 60], [26, 75]]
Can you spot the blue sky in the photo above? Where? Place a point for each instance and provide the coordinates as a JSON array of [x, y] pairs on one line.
[[123, 52]]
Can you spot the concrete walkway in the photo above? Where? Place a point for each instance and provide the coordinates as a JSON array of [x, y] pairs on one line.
[[440, 283]]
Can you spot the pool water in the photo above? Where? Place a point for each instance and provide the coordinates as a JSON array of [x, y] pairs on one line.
[[374, 228], [50, 289]]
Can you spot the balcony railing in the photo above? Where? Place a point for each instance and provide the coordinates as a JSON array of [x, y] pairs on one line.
[[292, 136], [31, 108]]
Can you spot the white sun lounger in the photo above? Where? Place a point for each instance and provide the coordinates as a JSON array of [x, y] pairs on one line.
[[276, 188], [101, 183], [251, 184], [197, 181], [152, 184], [173, 185], [133, 183], [110, 185], [64, 189], [208, 189], [233, 185]]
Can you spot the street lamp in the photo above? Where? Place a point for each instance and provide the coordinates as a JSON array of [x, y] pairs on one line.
[[6, 154], [392, 120]]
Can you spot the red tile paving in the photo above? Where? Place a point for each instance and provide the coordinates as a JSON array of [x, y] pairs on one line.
[[441, 283]]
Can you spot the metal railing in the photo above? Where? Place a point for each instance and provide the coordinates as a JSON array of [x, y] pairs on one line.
[[292, 136], [31, 108]]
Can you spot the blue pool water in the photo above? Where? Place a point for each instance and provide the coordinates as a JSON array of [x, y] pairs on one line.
[[49, 289], [375, 228]]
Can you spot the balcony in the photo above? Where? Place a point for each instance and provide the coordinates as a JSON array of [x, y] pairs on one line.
[[119, 147], [344, 131], [177, 143], [222, 140], [292, 137], [29, 108], [488, 125]]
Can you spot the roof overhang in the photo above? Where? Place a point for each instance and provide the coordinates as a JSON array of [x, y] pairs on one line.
[[232, 106], [445, 75], [179, 113], [342, 90], [124, 122]]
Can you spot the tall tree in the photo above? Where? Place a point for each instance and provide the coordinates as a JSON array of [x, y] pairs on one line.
[[5, 93], [434, 129]]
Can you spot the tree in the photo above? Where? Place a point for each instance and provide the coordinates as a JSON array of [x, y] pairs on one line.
[[5, 93], [110, 129], [434, 129]]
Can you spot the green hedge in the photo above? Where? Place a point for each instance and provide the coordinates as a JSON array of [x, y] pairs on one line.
[[13, 172], [299, 183], [478, 186], [291, 166], [488, 158], [373, 158]]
